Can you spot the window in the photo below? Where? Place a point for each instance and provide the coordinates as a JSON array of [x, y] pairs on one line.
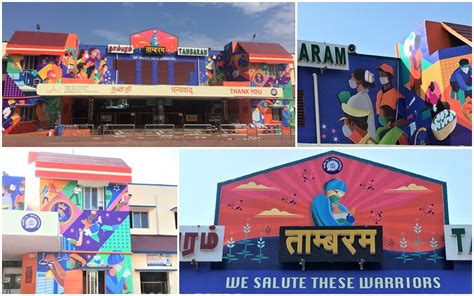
[[30, 62], [276, 114], [139, 219], [301, 117], [273, 70], [27, 113], [93, 198]]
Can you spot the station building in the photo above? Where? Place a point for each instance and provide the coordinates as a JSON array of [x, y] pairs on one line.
[[422, 96], [53, 78], [331, 223], [69, 227]]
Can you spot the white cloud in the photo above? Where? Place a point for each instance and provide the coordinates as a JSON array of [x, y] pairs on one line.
[[255, 7], [111, 36]]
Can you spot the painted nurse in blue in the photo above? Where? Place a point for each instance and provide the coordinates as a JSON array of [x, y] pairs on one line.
[[327, 209]]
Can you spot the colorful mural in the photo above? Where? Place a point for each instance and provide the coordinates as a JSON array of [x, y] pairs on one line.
[[13, 193], [334, 189], [442, 79], [55, 271], [154, 37], [95, 234]]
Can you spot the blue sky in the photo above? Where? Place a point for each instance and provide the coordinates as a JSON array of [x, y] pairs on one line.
[[202, 169], [373, 27], [196, 24]]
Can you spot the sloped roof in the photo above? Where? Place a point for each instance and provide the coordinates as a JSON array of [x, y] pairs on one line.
[[25, 42], [79, 167], [462, 32], [260, 52], [79, 159]]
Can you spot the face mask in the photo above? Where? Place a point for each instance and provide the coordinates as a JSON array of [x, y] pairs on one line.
[[86, 56], [334, 198], [383, 80], [465, 69], [118, 267], [382, 120], [346, 130], [352, 84]]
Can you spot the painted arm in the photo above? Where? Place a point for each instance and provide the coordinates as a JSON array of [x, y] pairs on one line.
[[460, 80], [322, 215], [57, 269], [115, 288]]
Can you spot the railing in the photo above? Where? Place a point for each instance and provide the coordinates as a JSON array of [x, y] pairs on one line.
[[198, 130], [118, 131], [160, 130], [166, 132]]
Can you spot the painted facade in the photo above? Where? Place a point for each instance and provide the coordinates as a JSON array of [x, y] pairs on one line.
[[93, 232], [75, 63], [326, 190], [422, 97]]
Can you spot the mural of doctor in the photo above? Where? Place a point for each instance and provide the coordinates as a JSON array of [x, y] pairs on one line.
[[361, 80], [116, 284], [327, 209], [461, 82]]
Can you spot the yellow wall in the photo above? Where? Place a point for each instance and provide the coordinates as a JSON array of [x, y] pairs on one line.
[[139, 262], [161, 218]]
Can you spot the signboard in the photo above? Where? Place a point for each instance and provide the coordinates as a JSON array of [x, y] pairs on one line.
[[201, 243], [193, 51], [154, 37], [128, 90], [458, 242], [191, 118], [330, 244], [158, 260], [120, 48], [323, 55], [30, 223], [154, 50]]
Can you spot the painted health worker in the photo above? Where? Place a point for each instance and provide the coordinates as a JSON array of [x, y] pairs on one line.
[[327, 209]]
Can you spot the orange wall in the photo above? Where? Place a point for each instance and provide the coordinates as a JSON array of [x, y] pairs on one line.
[[28, 288], [73, 282], [436, 36]]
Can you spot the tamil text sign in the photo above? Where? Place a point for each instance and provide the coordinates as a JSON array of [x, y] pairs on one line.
[[201, 243], [323, 55], [331, 244]]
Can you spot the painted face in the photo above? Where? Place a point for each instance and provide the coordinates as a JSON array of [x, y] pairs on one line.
[[118, 267], [465, 69], [352, 83]]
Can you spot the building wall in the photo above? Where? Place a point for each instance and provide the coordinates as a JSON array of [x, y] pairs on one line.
[[161, 218], [91, 239], [140, 263], [13, 193], [438, 61]]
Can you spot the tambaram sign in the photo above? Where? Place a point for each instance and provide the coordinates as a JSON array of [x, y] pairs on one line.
[[458, 242], [120, 48], [201, 243], [323, 55], [130, 90], [193, 51]]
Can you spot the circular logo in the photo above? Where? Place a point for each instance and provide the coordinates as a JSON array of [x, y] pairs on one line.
[[259, 78], [274, 92], [31, 222], [332, 165]]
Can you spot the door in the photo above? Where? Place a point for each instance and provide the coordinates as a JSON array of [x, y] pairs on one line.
[[154, 282], [93, 281]]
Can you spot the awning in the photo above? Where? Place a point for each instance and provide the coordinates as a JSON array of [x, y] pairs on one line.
[[27, 231], [79, 167], [151, 91], [155, 244], [270, 53], [40, 43]]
